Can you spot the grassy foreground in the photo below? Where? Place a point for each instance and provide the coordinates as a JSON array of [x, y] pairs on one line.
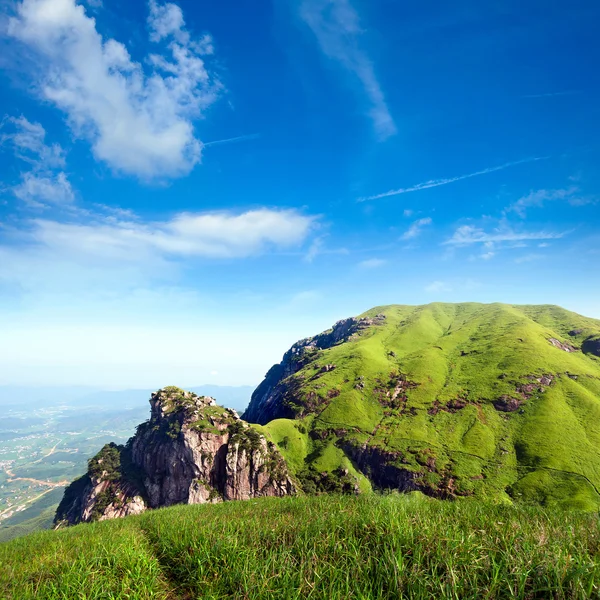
[[314, 547]]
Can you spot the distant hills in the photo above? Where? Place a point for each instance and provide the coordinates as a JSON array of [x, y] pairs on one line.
[[236, 397]]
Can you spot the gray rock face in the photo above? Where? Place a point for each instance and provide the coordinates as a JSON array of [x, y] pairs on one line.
[[562, 345], [191, 451], [95, 499], [268, 401]]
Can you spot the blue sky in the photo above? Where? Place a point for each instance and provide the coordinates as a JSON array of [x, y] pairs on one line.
[[188, 188]]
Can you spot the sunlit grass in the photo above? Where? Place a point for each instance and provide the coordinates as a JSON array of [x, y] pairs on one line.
[[314, 547]]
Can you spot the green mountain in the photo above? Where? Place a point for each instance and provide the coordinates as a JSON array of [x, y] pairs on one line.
[[496, 401]]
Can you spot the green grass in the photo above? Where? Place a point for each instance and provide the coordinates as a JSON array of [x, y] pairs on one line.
[[470, 352], [324, 547]]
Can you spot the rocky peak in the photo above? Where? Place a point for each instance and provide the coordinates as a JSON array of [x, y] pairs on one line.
[[173, 400], [191, 451]]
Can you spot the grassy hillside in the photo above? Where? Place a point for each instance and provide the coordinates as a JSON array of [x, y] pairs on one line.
[[497, 401], [326, 547]]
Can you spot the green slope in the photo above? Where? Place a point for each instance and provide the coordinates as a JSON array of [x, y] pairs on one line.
[[454, 399], [327, 547]]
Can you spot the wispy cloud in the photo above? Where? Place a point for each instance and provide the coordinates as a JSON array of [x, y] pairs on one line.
[[528, 258], [551, 94], [233, 140], [44, 182], [318, 248], [438, 182], [536, 199], [467, 235], [39, 190], [336, 25], [372, 263], [314, 250], [138, 117], [27, 141], [416, 228], [437, 287]]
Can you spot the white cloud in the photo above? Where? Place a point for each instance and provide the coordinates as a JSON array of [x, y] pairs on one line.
[[44, 183], [467, 234], [536, 199], [438, 287], [37, 190], [438, 182], [372, 263], [210, 235], [138, 121], [416, 228], [166, 20], [27, 142], [488, 255], [408, 212], [336, 25]]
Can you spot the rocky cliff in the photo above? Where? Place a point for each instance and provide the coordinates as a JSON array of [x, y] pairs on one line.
[[274, 397], [190, 451]]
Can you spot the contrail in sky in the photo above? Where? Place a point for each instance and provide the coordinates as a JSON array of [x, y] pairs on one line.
[[437, 182], [239, 138], [551, 94]]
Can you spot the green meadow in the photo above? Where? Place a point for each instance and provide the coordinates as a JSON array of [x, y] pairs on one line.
[[326, 547]]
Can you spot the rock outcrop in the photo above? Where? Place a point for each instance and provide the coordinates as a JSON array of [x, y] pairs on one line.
[[592, 345], [271, 399], [191, 451]]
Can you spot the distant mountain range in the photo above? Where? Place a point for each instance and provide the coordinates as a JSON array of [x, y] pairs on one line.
[[16, 396]]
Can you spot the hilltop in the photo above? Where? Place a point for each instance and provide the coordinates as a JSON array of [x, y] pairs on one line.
[[493, 401]]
